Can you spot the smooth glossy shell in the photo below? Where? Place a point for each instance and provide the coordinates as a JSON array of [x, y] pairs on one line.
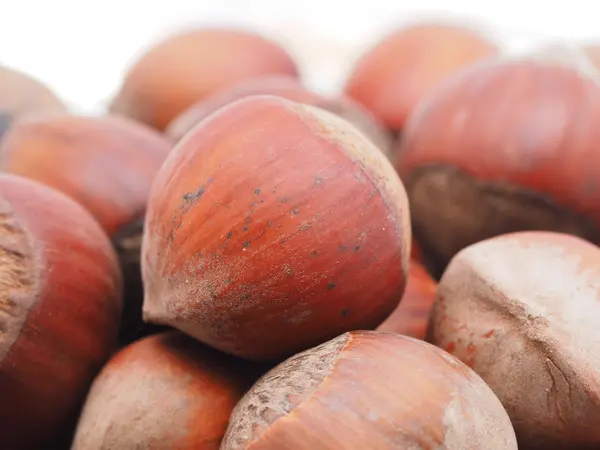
[[182, 70], [506, 147], [411, 317], [274, 216], [370, 390], [60, 304], [392, 77], [164, 391], [108, 165], [523, 311], [290, 88]]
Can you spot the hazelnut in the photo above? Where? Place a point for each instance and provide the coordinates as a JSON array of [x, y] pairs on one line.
[[21, 95], [185, 68], [503, 147], [60, 305], [272, 215], [522, 310], [108, 165], [290, 88], [392, 77], [370, 390]]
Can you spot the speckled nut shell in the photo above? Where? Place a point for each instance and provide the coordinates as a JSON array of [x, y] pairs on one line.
[[274, 216]]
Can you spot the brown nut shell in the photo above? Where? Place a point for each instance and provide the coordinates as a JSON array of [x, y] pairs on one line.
[[183, 69], [60, 305], [370, 390], [290, 88], [108, 165], [274, 216], [522, 310], [411, 317], [391, 78], [507, 146], [163, 391]]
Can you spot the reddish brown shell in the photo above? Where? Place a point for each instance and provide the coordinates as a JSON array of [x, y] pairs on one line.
[[523, 311], [507, 146], [274, 216], [107, 164], [164, 391], [370, 390], [185, 68], [21, 96], [392, 77], [290, 88], [60, 304], [411, 317]]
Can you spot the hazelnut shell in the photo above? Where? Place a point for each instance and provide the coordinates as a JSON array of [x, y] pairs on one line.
[[391, 78], [507, 146], [60, 306], [522, 310], [163, 391], [276, 216], [184, 68], [107, 164], [374, 390], [290, 88], [411, 317]]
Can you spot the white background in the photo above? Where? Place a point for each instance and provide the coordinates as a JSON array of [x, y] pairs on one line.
[[81, 48]]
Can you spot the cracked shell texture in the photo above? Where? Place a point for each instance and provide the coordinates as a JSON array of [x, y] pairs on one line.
[[523, 310]]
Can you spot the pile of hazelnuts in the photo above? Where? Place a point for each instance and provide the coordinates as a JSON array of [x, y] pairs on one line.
[[228, 259]]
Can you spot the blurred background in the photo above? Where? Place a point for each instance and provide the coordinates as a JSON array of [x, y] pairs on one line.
[[81, 49]]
